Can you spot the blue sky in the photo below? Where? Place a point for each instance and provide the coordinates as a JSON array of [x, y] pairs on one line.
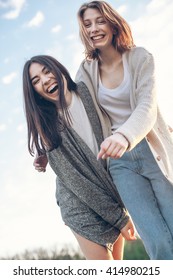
[[29, 216]]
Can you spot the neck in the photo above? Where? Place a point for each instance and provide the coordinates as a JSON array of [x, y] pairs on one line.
[[109, 56]]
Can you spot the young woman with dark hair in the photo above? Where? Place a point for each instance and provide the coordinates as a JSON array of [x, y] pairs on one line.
[[64, 127]]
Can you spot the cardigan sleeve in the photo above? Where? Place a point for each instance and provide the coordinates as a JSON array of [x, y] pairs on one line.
[[143, 99]]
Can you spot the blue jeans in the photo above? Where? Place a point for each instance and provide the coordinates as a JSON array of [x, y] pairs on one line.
[[148, 196]]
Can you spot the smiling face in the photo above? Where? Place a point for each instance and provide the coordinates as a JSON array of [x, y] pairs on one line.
[[45, 83], [97, 28]]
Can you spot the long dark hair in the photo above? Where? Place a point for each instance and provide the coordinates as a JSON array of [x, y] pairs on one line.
[[122, 40], [44, 122]]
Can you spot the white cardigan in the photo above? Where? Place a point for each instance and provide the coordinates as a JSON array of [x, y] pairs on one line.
[[146, 120]]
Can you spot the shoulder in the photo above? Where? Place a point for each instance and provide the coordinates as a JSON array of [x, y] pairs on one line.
[[139, 50], [138, 53], [137, 56], [88, 69], [88, 64]]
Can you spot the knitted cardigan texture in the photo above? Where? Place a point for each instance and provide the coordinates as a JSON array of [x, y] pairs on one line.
[[146, 120], [89, 202]]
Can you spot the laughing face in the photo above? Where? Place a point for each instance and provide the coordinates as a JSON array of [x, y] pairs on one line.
[[43, 81], [45, 84], [98, 29]]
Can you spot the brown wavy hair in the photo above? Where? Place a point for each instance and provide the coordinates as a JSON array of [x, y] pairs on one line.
[[44, 122], [122, 39]]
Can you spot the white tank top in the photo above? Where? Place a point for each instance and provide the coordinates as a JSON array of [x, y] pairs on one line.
[[81, 123], [116, 102]]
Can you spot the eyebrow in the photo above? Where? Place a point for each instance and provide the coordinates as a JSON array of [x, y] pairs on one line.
[[42, 70], [96, 18]]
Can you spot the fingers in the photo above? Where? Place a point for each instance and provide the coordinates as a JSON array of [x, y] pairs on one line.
[[39, 168], [104, 147], [113, 152], [113, 146], [128, 236], [40, 163], [131, 235], [128, 232], [170, 128]]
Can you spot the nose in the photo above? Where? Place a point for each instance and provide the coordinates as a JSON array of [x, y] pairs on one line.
[[94, 28], [45, 79]]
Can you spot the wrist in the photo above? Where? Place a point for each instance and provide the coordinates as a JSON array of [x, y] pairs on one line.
[[128, 143]]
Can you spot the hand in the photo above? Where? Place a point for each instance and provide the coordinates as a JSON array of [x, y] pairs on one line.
[[113, 146], [170, 128], [128, 232], [40, 163]]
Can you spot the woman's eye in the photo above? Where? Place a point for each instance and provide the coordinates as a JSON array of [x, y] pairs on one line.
[[34, 82], [47, 71], [87, 25], [101, 22]]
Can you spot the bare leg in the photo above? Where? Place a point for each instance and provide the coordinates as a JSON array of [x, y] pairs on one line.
[[118, 248], [93, 251]]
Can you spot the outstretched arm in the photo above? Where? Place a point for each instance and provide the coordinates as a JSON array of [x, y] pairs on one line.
[[113, 146]]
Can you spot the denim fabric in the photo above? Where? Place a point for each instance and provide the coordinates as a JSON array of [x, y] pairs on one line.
[[148, 196]]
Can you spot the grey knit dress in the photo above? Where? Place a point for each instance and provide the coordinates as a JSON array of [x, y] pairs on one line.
[[88, 199]]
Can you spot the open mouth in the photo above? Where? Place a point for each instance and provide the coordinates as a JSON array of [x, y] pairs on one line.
[[53, 89], [98, 37]]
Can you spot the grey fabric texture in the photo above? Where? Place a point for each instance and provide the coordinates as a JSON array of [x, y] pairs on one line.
[[89, 202]]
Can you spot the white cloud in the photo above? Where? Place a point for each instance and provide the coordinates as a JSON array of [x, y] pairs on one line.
[[3, 127], [156, 5], [56, 28], [21, 127], [71, 37], [78, 56], [155, 20], [9, 78], [15, 6], [122, 9], [37, 20], [154, 31]]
